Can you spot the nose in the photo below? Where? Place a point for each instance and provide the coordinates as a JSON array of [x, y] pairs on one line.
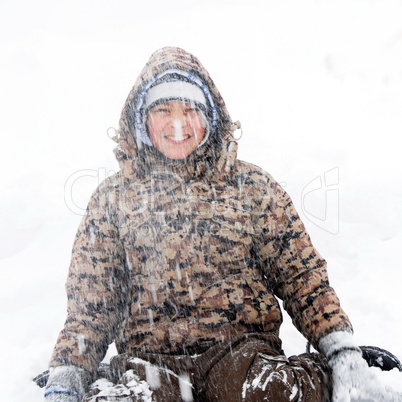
[[178, 114], [178, 119]]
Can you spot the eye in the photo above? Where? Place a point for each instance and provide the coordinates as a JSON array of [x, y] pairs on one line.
[[191, 109], [160, 109]]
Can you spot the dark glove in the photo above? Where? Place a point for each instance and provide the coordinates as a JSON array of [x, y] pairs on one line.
[[353, 380]]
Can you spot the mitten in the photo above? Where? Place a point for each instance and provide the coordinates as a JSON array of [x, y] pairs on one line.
[[353, 380], [66, 384]]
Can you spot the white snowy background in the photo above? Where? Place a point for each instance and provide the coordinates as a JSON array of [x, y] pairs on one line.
[[316, 84]]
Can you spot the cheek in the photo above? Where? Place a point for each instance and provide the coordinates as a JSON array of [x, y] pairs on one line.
[[199, 134], [198, 126], [155, 128]]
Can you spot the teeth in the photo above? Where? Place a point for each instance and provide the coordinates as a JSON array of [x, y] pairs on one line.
[[174, 139]]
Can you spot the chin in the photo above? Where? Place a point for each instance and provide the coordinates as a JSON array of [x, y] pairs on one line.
[[178, 155]]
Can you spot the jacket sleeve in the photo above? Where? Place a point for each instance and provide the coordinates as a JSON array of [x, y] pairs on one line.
[[96, 287], [294, 269]]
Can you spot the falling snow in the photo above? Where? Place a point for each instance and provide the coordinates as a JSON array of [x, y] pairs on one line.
[[317, 87]]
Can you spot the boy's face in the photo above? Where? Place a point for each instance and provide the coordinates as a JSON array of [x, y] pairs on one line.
[[176, 128]]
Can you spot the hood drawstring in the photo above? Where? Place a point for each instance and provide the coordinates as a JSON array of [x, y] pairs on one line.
[[236, 126], [113, 134]]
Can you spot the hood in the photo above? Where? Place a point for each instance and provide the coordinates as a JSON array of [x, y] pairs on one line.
[[135, 158]]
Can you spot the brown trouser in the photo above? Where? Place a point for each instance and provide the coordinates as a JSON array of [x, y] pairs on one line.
[[251, 368]]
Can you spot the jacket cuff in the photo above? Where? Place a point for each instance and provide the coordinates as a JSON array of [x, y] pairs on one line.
[[69, 380], [60, 390], [335, 342]]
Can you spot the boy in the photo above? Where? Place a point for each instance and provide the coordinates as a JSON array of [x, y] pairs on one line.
[[179, 259]]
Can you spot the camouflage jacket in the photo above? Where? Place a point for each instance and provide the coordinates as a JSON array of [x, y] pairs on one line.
[[174, 257]]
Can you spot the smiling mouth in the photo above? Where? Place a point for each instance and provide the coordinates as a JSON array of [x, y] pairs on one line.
[[176, 140]]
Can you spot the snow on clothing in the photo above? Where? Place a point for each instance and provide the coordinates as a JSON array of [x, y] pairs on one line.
[[174, 256], [248, 368]]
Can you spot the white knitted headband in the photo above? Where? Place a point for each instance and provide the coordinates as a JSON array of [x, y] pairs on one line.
[[191, 87], [174, 90]]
